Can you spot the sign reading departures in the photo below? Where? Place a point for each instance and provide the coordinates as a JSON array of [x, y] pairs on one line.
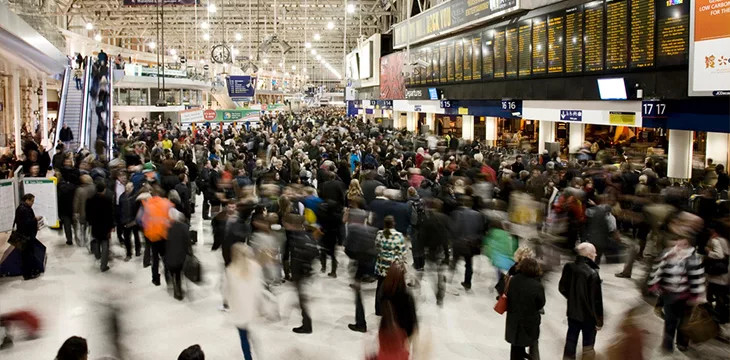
[[603, 36]]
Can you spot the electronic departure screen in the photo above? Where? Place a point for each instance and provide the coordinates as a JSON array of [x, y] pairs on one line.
[[574, 40], [593, 37], [476, 62], [511, 56], [555, 41], [643, 21], [600, 36], [617, 46], [459, 60], [487, 55], [525, 49], [673, 36], [500, 65], [539, 45], [468, 56]]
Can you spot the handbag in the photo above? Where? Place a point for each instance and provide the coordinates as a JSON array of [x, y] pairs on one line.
[[192, 269], [700, 326], [716, 266], [18, 240], [501, 306]]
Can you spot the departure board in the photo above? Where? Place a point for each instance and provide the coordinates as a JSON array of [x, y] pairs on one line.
[[556, 43], [421, 68], [467, 58], [487, 55], [459, 60], [511, 52], [617, 42], [429, 67], [500, 65], [643, 21], [539, 45], [443, 65], [574, 40], [593, 37], [435, 64], [525, 48], [450, 60], [476, 58], [672, 33]]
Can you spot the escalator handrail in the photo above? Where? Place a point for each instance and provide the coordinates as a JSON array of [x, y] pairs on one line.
[[109, 115], [62, 108], [83, 136]]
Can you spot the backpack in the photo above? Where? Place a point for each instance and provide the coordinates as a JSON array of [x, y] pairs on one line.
[[307, 250], [418, 212], [204, 179]]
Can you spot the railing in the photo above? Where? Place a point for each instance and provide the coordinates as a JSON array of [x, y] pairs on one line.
[[62, 109], [83, 135]]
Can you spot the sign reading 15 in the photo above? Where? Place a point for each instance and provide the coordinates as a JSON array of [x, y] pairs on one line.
[[654, 109]]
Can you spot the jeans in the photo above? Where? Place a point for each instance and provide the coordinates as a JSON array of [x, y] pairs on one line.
[[82, 234], [468, 265], [127, 232], [100, 248], [67, 224], [575, 328], [78, 83], [245, 345], [158, 251], [675, 311]]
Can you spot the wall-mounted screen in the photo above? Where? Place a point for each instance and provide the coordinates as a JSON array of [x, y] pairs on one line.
[[612, 89], [366, 61], [433, 94], [354, 67]]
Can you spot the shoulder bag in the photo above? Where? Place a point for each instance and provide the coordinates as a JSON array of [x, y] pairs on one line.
[[501, 306]]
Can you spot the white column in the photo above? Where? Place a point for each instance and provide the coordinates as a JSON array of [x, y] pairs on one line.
[[431, 122], [411, 120], [491, 130], [15, 91], [717, 148], [546, 133], [467, 127], [44, 112], [680, 154], [576, 137]]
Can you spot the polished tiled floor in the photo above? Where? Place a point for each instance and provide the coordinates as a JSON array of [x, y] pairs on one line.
[[74, 298]]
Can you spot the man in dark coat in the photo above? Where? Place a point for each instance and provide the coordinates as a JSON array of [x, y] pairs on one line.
[[435, 234], [303, 249], [581, 286], [526, 298], [66, 192], [368, 187], [176, 250], [100, 216], [467, 229], [128, 212], [382, 207], [26, 225], [58, 158]]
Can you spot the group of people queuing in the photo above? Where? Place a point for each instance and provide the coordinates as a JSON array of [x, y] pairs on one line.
[[292, 191]]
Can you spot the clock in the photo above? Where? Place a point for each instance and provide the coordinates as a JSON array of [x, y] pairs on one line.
[[221, 54]]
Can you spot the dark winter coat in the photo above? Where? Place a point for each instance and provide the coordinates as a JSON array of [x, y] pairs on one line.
[[368, 189], [184, 192], [581, 285], [100, 216], [25, 221], [178, 245], [127, 208], [525, 299], [401, 212], [66, 192]]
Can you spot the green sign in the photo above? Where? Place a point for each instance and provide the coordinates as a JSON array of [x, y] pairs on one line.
[[237, 115]]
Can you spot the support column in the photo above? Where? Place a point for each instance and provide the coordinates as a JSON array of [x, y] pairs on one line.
[[490, 124], [576, 137], [546, 133], [17, 121], [431, 122], [467, 127], [679, 159], [717, 148], [44, 113], [411, 120]]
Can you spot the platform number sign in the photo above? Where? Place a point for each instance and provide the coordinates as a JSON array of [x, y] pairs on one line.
[[654, 109], [509, 105], [512, 107], [448, 104]]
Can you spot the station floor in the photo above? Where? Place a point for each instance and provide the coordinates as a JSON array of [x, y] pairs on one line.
[[73, 298]]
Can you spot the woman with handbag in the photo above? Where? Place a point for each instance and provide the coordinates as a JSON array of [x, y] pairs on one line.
[[525, 298]]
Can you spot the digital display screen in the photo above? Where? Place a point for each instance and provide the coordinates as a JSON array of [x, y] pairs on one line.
[[487, 54], [539, 45], [499, 54], [443, 73], [511, 52], [476, 61], [617, 42], [612, 89], [672, 33], [574, 40], [467, 59], [451, 62], [556, 44], [643, 23], [594, 36], [459, 60], [525, 49], [433, 94]]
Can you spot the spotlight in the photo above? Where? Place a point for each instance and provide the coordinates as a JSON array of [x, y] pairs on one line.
[[330, 25], [97, 37], [239, 37], [212, 8], [204, 25], [319, 57], [206, 37], [317, 37], [350, 8], [313, 52], [151, 45], [89, 26], [293, 67], [173, 52], [265, 61], [308, 45]]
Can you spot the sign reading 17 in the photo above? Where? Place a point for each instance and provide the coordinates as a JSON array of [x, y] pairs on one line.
[[654, 109]]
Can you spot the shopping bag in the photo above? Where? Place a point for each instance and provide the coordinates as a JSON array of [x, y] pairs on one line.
[[501, 306], [700, 326], [192, 269]]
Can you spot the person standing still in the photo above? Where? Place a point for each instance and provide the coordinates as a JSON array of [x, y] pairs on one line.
[[525, 300], [100, 216], [580, 284], [26, 225]]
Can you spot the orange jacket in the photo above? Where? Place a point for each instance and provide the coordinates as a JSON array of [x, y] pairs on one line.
[[156, 218]]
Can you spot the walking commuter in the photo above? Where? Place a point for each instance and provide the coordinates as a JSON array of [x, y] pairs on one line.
[[360, 247], [244, 288], [100, 217], [127, 213], [177, 249], [155, 225], [396, 295], [74, 348], [467, 230], [435, 236], [85, 192], [391, 249], [718, 279], [303, 249], [525, 301], [66, 192]]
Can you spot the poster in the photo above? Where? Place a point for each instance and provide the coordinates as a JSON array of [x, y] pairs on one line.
[[7, 205], [241, 86], [622, 118], [46, 201], [710, 59], [191, 116], [237, 115]]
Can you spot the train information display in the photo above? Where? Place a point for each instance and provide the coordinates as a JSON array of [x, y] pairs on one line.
[[598, 37]]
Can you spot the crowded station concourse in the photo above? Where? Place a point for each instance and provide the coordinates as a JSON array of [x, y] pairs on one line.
[[364, 180]]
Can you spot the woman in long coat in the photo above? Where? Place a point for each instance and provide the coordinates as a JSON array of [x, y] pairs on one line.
[[525, 299]]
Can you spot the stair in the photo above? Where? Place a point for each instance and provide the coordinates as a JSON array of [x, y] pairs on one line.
[[72, 111]]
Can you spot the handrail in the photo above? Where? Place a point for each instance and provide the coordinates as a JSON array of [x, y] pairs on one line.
[[110, 116], [83, 136], [62, 108]]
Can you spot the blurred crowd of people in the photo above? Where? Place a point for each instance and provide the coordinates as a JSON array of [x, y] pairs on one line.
[[292, 191]]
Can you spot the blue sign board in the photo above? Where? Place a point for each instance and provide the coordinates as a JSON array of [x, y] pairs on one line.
[[449, 104], [417, 108], [721, 93], [654, 109], [497, 108], [571, 115], [512, 106], [243, 86]]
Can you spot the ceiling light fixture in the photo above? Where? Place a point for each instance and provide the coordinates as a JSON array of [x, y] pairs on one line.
[[313, 52], [350, 8], [319, 57], [235, 52], [204, 25], [317, 37], [265, 61], [212, 8], [151, 45], [293, 67], [89, 26], [206, 37], [202, 61], [97, 37], [330, 25], [308, 45], [239, 37]]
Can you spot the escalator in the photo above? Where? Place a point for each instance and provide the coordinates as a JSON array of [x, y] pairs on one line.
[[71, 108], [97, 127]]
